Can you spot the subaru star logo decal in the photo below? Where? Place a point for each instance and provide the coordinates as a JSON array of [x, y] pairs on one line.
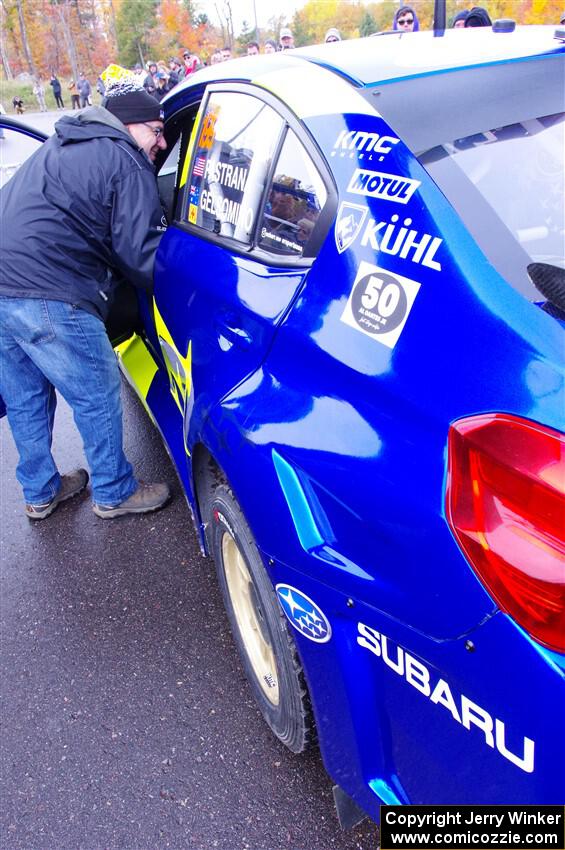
[[304, 614], [349, 221]]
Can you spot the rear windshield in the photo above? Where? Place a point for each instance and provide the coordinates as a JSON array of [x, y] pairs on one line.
[[493, 139], [506, 183]]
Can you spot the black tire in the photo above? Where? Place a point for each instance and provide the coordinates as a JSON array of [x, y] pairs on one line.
[[259, 627]]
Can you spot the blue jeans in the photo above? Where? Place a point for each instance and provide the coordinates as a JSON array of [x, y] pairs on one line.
[[47, 345]]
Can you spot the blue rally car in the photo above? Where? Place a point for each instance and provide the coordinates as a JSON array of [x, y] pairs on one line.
[[355, 357]]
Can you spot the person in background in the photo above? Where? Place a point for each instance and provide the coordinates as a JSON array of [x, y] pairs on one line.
[[84, 90], [163, 85], [18, 104], [478, 17], [191, 63], [216, 57], [270, 46], [405, 20], [39, 92], [139, 73], [252, 48], [98, 169], [150, 81], [332, 35], [226, 53], [57, 91], [286, 39], [174, 71], [459, 19], [304, 232], [75, 99], [100, 86]]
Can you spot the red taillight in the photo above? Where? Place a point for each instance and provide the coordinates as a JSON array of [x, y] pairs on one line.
[[505, 503]]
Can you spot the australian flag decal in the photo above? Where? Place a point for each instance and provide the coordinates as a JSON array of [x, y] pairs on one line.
[[304, 614], [349, 221]]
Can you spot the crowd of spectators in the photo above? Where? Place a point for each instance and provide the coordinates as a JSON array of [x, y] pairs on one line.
[[160, 77]]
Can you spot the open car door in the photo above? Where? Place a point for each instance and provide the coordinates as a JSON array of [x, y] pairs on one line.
[[18, 141]]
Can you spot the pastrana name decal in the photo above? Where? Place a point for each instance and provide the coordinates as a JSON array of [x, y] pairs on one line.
[[379, 303], [388, 187], [462, 709], [231, 176]]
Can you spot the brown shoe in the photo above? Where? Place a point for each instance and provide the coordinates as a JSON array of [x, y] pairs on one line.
[[71, 484], [147, 497]]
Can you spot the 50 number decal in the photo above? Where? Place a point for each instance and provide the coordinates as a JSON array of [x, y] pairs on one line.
[[382, 295], [379, 303]]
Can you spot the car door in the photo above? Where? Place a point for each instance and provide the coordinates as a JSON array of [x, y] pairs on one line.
[[18, 141], [252, 204]]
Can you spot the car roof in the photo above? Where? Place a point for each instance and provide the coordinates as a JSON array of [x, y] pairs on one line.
[[392, 57]]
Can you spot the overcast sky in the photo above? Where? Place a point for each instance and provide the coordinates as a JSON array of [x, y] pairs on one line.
[[243, 10]]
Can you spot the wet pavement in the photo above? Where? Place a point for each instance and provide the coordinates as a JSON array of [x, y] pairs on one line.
[[127, 720]]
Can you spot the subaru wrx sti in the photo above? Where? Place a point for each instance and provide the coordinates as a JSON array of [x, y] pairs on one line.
[[354, 354]]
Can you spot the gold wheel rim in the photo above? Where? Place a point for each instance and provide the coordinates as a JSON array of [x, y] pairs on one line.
[[258, 649]]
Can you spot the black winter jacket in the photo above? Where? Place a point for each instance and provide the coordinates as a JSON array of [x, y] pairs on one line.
[[81, 213]]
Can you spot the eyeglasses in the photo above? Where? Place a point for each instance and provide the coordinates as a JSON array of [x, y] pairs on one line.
[[158, 132], [404, 21], [330, 40]]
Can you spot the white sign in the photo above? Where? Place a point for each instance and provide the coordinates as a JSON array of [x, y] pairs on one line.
[[376, 184], [379, 303]]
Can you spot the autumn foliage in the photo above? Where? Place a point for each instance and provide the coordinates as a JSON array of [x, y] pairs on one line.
[[68, 36], [40, 37], [359, 19]]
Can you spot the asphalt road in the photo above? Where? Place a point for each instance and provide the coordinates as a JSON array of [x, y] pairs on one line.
[[127, 720]]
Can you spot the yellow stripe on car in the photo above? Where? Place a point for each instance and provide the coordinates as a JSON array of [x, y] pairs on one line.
[[138, 364]]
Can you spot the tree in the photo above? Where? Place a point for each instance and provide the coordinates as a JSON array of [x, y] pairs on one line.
[[383, 13], [225, 16], [310, 24], [174, 31], [549, 11], [25, 42], [302, 30], [274, 25], [246, 35], [4, 57], [367, 25], [64, 12], [135, 21]]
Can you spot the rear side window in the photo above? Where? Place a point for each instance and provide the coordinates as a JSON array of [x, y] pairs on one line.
[[507, 185], [294, 202], [234, 148]]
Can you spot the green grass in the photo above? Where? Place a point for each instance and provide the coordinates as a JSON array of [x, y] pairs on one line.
[[9, 88]]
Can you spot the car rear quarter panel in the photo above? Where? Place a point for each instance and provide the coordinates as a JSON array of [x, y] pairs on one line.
[[364, 426], [346, 437]]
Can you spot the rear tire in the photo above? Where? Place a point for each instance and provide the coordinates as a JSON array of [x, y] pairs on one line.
[[259, 628]]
